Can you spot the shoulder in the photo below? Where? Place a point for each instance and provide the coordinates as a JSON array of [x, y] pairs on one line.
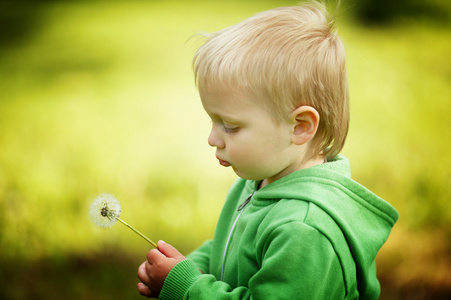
[[294, 219], [295, 210]]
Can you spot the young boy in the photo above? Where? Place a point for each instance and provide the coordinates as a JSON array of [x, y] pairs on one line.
[[295, 225]]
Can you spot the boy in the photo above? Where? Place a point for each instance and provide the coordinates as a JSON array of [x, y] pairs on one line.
[[295, 225]]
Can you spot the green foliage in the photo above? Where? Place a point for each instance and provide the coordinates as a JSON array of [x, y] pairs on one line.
[[381, 12]]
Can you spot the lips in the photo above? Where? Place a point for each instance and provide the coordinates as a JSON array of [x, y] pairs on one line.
[[223, 162]]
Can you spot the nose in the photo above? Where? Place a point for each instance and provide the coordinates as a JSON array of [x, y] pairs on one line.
[[215, 140]]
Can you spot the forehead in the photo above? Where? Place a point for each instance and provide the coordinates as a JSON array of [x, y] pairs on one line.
[[230, 102]]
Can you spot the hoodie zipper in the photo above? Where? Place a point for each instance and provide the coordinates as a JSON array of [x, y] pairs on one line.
[[240, 209]]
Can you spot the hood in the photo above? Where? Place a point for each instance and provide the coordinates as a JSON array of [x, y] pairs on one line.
[[364, 218]]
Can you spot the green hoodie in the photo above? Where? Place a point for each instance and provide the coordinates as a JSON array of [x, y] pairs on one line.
[[313, 234]]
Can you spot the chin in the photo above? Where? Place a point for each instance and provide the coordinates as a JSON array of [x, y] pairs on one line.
[[246, 176]]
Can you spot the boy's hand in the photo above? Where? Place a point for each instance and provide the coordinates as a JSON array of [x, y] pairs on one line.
[[156, 268]]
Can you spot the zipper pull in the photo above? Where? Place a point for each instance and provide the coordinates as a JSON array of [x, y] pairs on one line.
[[243, 205]]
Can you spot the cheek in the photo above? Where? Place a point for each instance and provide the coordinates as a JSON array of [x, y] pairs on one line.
[[257, 147], [247, 151]]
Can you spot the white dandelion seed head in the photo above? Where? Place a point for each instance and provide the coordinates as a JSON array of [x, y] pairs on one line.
[[104, 211]]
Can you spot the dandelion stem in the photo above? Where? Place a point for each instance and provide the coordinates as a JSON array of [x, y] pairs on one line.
[[139, 233]]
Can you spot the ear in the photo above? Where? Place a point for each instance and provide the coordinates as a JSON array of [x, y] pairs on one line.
[[306, 121]]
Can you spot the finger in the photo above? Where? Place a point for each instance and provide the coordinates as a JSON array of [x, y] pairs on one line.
[[142, 273], [144, 290], [154, 255], [169, 250], [147, 267]]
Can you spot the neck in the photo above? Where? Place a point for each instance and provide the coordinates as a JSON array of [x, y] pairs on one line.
[[304, 164]]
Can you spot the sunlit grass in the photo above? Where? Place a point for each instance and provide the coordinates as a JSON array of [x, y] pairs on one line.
[[400, 118], [101, 98]]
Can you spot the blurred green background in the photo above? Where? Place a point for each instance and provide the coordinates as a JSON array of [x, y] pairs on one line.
[[98, 96]]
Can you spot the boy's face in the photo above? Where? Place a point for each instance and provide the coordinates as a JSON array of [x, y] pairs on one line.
[[247, 138]]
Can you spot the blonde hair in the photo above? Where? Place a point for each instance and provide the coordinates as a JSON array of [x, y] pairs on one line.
[[291, 56]]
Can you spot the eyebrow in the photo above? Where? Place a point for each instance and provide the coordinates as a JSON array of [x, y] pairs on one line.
[[226, 118]]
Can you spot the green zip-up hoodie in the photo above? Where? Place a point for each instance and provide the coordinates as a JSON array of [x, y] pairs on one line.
[[313, 234]]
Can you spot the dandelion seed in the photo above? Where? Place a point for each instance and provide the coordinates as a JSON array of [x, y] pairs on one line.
[[106, 210]]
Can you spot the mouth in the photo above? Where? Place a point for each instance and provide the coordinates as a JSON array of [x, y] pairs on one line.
[[223, 162]]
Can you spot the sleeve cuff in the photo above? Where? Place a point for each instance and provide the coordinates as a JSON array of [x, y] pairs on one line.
[[179, 280]]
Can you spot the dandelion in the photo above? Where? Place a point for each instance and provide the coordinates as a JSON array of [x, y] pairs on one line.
[[105, 211]]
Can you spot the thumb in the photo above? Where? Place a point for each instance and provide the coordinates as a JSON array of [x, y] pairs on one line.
[[168, 250]]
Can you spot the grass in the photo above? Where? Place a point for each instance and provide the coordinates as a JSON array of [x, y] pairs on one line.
[[98, 97]]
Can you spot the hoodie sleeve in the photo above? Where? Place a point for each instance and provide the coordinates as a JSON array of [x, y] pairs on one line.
[[201, 256], [296, 262]]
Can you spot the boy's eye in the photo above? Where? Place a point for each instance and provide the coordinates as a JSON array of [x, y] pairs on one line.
[[229, 128]]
